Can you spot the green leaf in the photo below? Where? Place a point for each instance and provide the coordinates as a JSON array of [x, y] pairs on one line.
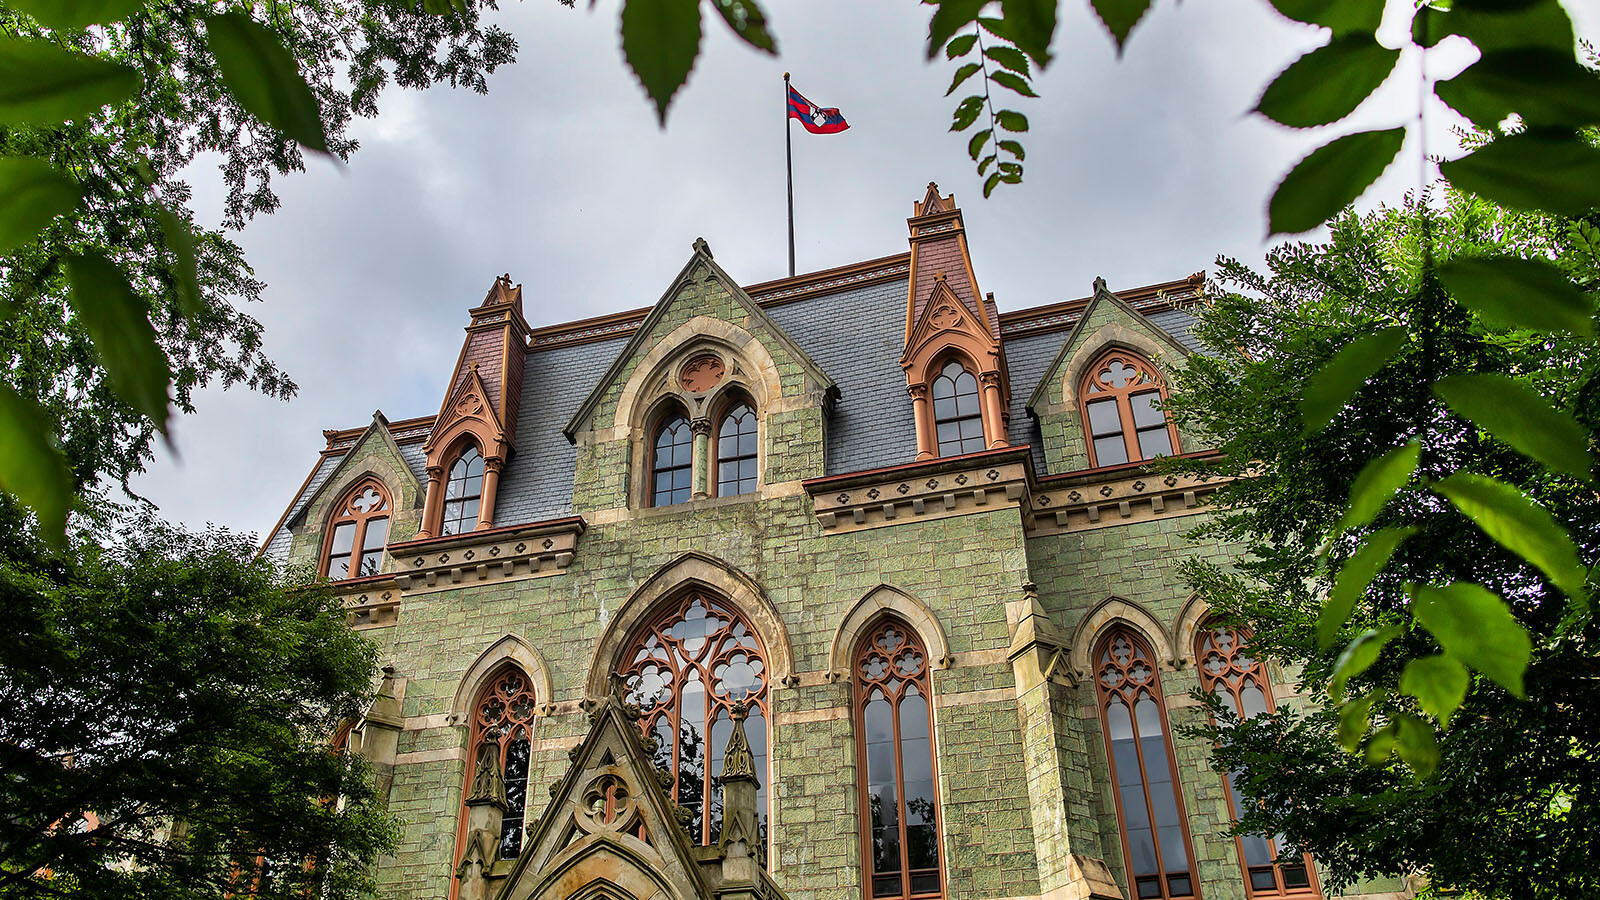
[[32, 193], [1542, 86], [1418, 746], [1013, 148], [1009, 168], [31, 466], [74, 14], [1032, 24], [962, 74], [960, 46], [1378, 481], [42, 84], [1381, 746], [1535, 170], [180, 240], [986, 162], [1331, 178], [1527, 293], [1355, 717], [1328, 83], [1327, 391], [1011, 120], [989, 184], [1359, 655], [1014, 82], [1438, 682], [1476, 627], [966, 113], [1357, 573], [748, 22], [950, 17], [1340, 15], [1520, 525], [124, 340], [263, 77], [1499, 24], [660, 40], [1010, 57], [975, 146], [1517, 415], [1119, 17]]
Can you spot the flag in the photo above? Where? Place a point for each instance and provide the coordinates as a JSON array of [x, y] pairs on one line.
[[815, 119]]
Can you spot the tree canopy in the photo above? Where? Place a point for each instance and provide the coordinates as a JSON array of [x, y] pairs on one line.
[[1383, 583], [170, 703]]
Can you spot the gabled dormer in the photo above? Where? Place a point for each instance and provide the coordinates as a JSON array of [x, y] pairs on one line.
[[953, 359], [475, 430]]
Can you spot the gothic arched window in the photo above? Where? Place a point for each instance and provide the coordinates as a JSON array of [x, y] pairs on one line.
[[358, 532], [685, 669], [502, 732], [672, 461], [1228, 669], [737, 451], [957, 411], [894, 749], [462, 493], [1119, 398], [1155, 841]]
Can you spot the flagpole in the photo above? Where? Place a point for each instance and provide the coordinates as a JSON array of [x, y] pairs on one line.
[[788, 156]]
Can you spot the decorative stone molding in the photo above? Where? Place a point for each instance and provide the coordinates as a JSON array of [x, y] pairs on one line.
[[1122, 497], [476, 557], [372, 602], [1111, 611], [885, 600], [512, 648], [936, 489]]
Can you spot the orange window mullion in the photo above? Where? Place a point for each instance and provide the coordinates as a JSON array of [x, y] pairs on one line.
[[1130, 440]]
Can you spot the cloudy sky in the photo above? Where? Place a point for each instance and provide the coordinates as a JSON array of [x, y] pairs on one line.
[[1140, 170]]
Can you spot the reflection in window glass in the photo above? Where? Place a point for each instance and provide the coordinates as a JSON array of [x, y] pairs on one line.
[[503, 715], [685, 670], [672, 462], [462, 493], [1151, 813], [736, 452], [1229, 669], [360, 530], [1122, 413], [957, 419], [900, 810]]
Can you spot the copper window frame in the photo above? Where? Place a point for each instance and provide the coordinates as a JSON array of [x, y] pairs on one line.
[[714, 454], [924, 682], [933, 407], [1124, 399], [343, 514], [445, 500], [1143, 653], [516, 724], [704, 664], [1256, 673], [666, 416]]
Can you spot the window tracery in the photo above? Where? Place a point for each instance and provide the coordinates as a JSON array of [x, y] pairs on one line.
[[1230, 670], [1119, 402], [957, 410], [685, 670], [502, 732], [1155, 841], [358, 532], [672, 461], [463, 493], [737, 451], [894, 748]]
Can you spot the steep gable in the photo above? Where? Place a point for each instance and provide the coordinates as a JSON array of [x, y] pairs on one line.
[[374, 453]]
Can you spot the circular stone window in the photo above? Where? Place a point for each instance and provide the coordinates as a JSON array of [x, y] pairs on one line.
[[701, 373]]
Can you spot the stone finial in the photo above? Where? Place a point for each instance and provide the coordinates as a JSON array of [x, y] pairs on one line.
[[700, 246], [1100, 285], [738, 761], [740, 842], [488, 783]]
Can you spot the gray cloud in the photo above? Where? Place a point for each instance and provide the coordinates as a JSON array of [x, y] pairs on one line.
[[1141, 170]]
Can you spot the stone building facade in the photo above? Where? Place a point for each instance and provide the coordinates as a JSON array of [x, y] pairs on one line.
[[899, 554]]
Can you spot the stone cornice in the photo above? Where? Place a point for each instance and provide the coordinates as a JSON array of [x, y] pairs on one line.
[[491, 555], [1119, 496]]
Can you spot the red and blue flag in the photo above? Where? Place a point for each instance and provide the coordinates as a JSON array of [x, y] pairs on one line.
[[816, 119]]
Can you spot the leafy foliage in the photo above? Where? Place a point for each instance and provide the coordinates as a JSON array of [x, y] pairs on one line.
[[169, 707], [1424, 594]]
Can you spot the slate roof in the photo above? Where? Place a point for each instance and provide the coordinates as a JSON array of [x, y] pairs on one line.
[[854, 332]]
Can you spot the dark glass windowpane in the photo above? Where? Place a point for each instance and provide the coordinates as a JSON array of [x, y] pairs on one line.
[[1109, 451], [1104, 418], [1296, 877], [371, 561], [1145, 414], [921, 845], [344, 537], [924, 882], [1257, 852], [516, 777], [338, 567], [1179, 885], [886, 885], [1154, 443], [949, 433], [1149, 887], [888, 850]]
